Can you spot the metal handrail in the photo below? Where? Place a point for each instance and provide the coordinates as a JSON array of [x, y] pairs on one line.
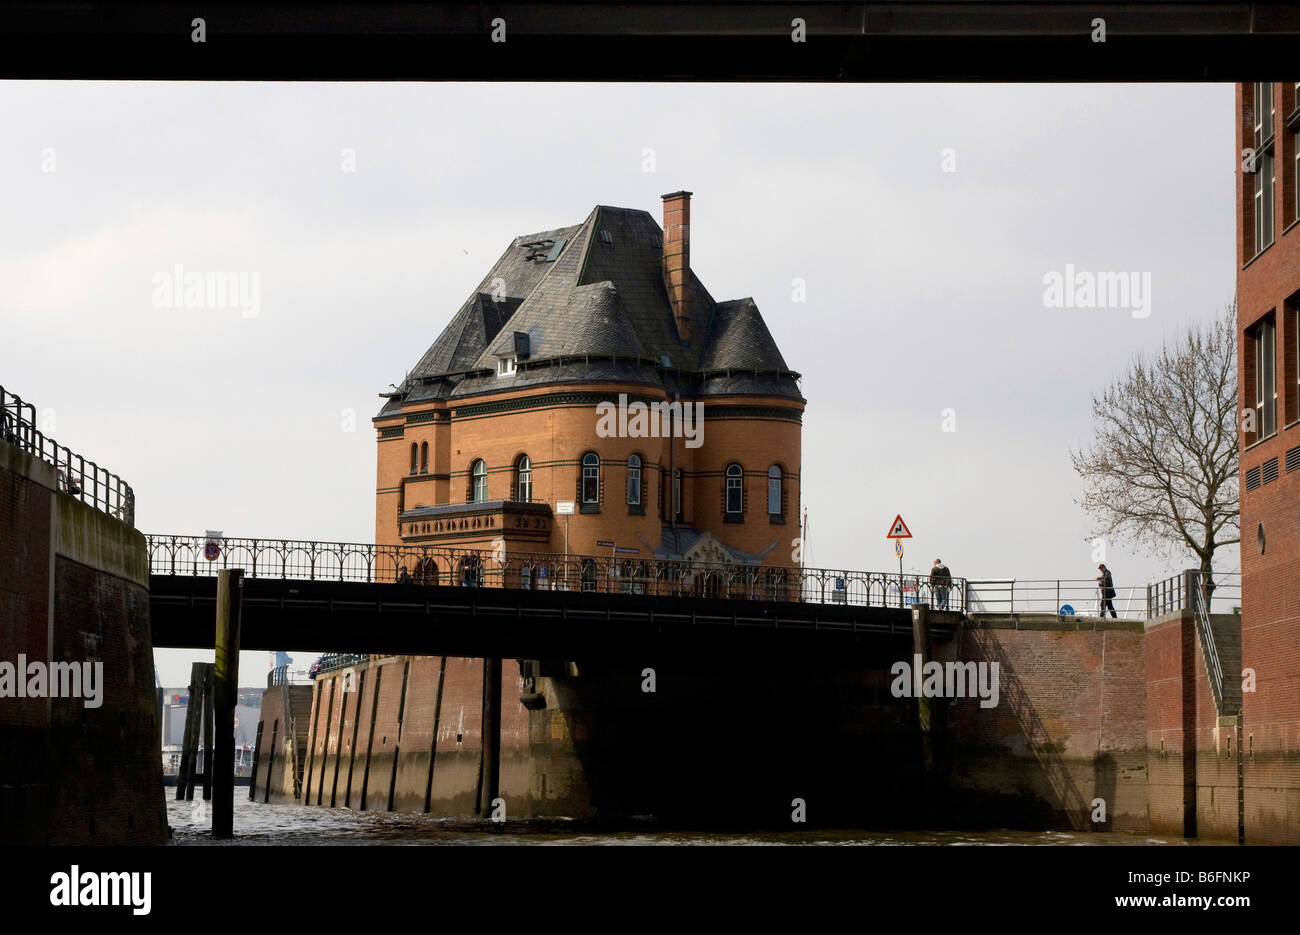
[[1209, 646], [441, 566], [282, 675], [75, 476]]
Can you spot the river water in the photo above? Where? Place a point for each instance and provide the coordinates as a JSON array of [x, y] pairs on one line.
[[259, 824]]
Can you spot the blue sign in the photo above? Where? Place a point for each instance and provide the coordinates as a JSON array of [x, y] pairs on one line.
[[1067, 610]]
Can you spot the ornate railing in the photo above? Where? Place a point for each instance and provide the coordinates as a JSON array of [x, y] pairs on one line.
[[76, 476], [443, 567]]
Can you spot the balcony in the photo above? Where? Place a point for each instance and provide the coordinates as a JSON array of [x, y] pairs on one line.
[[513, 520]]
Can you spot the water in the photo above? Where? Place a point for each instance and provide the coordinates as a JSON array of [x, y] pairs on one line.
[[260, 824]]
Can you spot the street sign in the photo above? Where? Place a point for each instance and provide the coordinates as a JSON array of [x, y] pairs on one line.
[[605, 543], [626, 550], [1067, 610], [899, 529], [898, 547], [564, 508], [211, 550]]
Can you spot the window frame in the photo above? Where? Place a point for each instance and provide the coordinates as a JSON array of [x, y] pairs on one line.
[[524, 479], [475, 476], [635, 470], [734, 483], [1264, 338], [589, 469], [778, 490]]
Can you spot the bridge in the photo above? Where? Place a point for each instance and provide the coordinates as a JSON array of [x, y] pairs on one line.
[[420, 600]]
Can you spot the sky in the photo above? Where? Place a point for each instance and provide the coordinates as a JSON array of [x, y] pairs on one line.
[[920, 221]]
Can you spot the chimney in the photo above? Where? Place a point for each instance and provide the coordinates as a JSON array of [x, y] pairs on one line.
[[677, 258]]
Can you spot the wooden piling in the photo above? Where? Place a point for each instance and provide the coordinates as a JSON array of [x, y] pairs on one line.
[[225, 692]]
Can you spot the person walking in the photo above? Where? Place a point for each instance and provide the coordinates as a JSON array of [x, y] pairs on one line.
[[1107, 586], [940, 582]]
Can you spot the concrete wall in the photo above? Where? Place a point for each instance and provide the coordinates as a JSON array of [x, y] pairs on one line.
[[74, 588]]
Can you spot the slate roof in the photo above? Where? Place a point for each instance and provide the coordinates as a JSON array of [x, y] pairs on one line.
[[593, 302]]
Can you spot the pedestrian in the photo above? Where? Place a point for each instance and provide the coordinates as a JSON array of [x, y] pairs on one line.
[[1107, 585], [940, 582], [403, 576]]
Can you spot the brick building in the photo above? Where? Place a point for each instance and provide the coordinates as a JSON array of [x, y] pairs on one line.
[[1268, 322], [592, 366]]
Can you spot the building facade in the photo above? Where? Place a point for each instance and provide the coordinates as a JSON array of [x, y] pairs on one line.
[[1268, 323], [591, 368]]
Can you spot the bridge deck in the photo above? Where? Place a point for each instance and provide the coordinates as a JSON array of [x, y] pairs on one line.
[[348, 616]]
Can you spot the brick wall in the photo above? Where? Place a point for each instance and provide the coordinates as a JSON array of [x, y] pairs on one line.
[[1069, 728], [1270, 639], [70, 774]]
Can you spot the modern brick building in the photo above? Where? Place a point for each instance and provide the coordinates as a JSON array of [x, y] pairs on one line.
[[543, 389], [1268, 322]]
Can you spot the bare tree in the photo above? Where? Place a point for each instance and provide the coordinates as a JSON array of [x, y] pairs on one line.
[[1162, 470]]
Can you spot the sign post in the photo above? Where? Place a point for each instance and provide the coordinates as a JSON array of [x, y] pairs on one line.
[[898, 531], [565, 508]]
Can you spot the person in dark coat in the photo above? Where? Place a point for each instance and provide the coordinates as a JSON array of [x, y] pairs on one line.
[[1107, 585], [403, 577], [940, 582]]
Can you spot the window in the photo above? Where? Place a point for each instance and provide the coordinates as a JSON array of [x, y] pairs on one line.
[[1265, 379], [735, 490], [634, 480], [424, 457], [774, 507], [677, 494], [415, 454], [507, 365], [1264, 180], [524, 480], [591, 478], [478, 481]]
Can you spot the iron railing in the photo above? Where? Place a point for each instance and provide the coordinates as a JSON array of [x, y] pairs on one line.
[[76, 477], [1222, 593], [1083, 597], [438, 566], [283, 675], [1061, 596]]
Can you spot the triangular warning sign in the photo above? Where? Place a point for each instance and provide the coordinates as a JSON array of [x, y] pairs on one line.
[[899, 530]]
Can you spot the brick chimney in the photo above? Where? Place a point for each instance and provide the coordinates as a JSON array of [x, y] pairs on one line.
[[677, 258]]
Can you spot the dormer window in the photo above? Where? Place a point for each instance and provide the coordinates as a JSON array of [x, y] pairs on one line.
[[507, 366]]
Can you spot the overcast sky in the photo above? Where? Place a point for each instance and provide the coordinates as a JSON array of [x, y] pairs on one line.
[[924, 288]]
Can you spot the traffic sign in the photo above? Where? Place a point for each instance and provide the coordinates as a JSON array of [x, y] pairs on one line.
[[898, 547], [564, 508], [899, 529]]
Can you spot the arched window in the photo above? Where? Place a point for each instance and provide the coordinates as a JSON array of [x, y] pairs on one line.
[[415, 454], [478, 481], [735, 490], [591, 478], [634, 480], [424, 457], [774, 507], [524, 479]]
